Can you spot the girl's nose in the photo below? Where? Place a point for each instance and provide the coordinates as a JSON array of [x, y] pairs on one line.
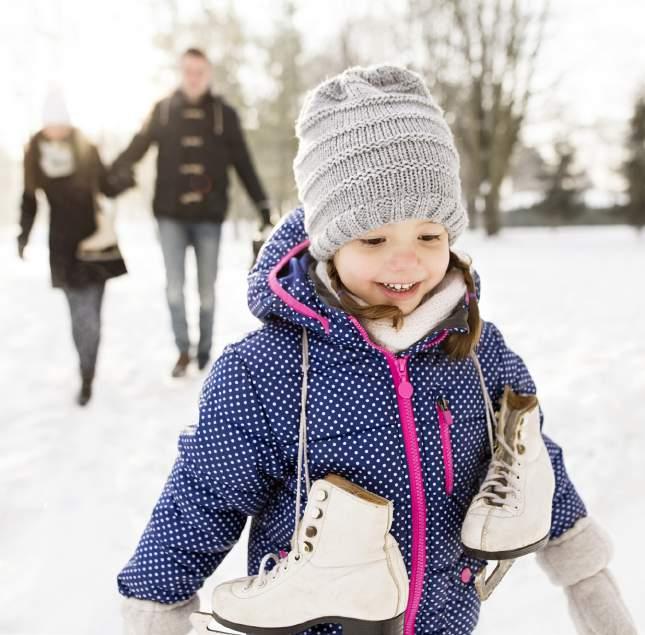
[[403, 259]]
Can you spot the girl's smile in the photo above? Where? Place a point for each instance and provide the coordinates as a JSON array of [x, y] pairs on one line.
[[399, 290], [396, 264]]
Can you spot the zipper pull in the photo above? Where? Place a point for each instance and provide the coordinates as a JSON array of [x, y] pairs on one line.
[[400, 362], [405, 388], [445, 409]]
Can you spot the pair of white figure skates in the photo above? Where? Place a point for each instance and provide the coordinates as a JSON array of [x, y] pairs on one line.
[[345, 567]]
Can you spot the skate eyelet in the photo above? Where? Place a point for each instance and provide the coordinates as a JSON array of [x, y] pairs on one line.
[[296, 558], [521, 449], [316, 512], [308, 547], [321, 495]]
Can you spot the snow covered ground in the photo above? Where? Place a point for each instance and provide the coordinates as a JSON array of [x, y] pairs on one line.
[[77, 486]]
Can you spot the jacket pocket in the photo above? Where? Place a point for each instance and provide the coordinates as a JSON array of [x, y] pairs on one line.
[[445, 423]]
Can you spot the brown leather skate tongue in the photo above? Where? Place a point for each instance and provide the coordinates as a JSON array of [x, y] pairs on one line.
[[355, 490]]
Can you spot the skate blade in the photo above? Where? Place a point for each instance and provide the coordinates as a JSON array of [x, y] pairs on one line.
[[203, 623], [393, 626], [510, 554], [486, 585]]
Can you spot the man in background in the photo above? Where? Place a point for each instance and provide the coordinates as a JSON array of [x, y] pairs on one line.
[[198, 136]]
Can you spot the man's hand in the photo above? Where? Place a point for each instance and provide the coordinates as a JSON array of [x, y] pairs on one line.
[[118, 180], [265, 214], [21, 248]]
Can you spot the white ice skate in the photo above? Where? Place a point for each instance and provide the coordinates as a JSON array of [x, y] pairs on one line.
[[102, 244], [345, 569], [344, 566], [511, 514]]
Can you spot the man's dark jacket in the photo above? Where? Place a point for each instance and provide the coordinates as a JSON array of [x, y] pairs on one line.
[[197, 142]]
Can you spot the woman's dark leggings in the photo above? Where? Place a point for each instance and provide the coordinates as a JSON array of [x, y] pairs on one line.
[[85, 308]]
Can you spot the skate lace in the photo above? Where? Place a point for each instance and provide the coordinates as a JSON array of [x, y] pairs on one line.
[[500, 478], [490, 410], [282, 561], [281, 564]]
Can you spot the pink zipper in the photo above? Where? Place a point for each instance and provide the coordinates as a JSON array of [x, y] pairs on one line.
[[404, 391], [445, 421]]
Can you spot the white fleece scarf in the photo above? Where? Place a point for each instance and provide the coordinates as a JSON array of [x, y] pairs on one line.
[[56, 158], [445, 297]]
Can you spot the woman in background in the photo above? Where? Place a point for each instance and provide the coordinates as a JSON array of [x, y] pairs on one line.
[[60, 161]]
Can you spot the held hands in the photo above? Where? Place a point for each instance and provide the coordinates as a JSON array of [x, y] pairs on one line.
[[118, 180], [578, 561]]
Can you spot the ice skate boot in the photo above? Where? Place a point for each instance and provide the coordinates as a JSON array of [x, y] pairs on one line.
[[511, 514], [344, 568]]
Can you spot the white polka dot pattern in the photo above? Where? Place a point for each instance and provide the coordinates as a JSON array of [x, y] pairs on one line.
[[240, 459]]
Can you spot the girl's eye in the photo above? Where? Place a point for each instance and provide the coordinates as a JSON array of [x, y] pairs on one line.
[[430, 237], [372, 241]]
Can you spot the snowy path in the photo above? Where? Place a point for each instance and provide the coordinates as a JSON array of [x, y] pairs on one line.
[[77, 486]]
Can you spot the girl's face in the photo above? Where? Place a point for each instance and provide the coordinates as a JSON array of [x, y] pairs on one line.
[[395, 264]]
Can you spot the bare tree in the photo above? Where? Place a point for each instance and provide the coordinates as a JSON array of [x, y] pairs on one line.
[[479, 56], [215, 28], [277, 112]]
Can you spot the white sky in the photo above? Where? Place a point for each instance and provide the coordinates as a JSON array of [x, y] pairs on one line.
[[103, 53]]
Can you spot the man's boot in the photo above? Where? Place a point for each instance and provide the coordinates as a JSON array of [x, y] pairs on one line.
[[511, 514], [203, 360], [85, 393], [181, 365], [345, 568]]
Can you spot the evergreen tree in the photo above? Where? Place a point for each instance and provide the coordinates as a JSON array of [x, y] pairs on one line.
[[564, 186], [634, 167]]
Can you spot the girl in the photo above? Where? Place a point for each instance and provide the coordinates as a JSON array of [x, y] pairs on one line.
[[391, 316], [60, 161]]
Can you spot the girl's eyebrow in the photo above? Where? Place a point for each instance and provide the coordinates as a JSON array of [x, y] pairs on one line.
[[432, 230]]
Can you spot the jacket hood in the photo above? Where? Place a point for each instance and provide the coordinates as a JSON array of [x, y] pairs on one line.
[[279, 286]]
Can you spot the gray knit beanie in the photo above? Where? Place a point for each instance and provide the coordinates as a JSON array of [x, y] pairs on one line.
[[374, 148]]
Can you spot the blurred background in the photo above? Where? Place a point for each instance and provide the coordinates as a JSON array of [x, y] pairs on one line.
[[547, 104]]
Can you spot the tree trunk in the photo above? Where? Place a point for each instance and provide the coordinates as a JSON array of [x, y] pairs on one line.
[[492, 217]]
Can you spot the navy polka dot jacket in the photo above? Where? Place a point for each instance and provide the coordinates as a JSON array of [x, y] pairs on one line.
[[372, 417]]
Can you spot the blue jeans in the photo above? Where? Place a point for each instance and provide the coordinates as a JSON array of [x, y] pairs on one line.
[[204, 237], [85, 310]]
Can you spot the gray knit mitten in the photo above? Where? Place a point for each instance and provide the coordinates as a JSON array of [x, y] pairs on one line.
[[144, 617], [577, 560]]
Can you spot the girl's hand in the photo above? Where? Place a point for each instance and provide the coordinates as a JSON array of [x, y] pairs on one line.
[[597, 608], [144, 617], [577, 560]]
